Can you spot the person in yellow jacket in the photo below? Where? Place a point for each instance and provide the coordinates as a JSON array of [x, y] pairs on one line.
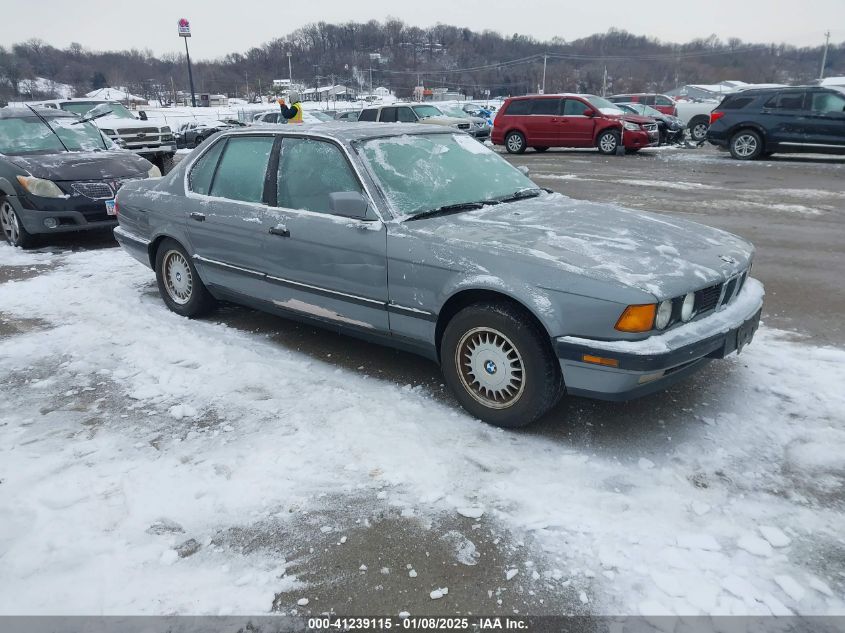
[[293, 114]]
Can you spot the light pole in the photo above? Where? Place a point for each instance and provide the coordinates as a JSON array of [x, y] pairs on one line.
[[543, 91], [373, 56], [185, 32], [290, 72], [824, 55]]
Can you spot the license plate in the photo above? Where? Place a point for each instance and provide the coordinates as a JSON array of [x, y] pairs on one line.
[[110, 208], [740, 337]]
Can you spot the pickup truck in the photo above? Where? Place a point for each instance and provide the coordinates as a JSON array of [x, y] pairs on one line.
[[146, 138], [696, 116]]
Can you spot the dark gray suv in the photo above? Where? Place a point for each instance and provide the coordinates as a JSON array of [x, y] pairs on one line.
[[757, 123]]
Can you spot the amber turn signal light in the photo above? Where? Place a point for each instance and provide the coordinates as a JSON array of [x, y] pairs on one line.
[[638, 318], [598, 360]]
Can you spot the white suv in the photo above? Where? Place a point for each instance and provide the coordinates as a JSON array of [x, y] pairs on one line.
[[413, 113]]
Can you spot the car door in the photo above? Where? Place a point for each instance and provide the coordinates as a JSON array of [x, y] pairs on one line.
[[227, 217], [404, 114], [543, 123], [319, 264], [576, 128], [826, 119], [785, 118]]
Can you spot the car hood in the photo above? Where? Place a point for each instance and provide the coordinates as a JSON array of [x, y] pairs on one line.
[[122, 123], [663, 256], [83, 165], [633, 118], [444, 120]]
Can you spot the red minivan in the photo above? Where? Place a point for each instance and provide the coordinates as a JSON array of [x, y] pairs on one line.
[[570, 120]]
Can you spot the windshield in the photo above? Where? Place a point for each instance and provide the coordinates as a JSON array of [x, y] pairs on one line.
[[641, 108], [456, 112], [29, 135], [82, 107], [423, 172], [424, 111], [603, 105]]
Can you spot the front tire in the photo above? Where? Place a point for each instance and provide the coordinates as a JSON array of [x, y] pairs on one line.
[[499, 364], [746, 145], [608, 141], [515, 143], [11, 226], [179, 283], [698, 129]]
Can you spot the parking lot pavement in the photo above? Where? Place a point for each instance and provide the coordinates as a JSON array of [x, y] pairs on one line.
[[242, 463], [791, 207]]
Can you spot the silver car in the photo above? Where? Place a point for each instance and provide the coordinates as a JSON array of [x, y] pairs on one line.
[[421, 238]]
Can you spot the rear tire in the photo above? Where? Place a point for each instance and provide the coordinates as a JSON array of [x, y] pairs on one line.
[[11, 227], [608, 141], [499, 364], [515, 143], [541, 148], [746, 145], [179, 283]]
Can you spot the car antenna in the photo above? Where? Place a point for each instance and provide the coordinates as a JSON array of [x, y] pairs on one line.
[[50, 127]]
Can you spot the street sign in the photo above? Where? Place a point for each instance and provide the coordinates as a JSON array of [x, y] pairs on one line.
[[184, 28]]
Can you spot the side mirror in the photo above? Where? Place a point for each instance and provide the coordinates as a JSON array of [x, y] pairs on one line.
[[524, 170], [142, 115], [590, 113], [349, 204]]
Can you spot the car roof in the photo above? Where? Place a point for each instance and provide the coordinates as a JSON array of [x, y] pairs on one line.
[[16, 112], [345, 132], [583, 95]]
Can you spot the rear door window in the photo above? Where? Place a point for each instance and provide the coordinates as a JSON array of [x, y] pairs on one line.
[[368, 115], [388, 115], [521, 106], [828, 102], [310, 170], [574, 107], [242, 169], [787, 101], [547, 107], [203, 170], [663, 101], [735, 102], [647, 99]]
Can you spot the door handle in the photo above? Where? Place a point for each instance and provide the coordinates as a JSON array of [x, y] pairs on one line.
[[199, 217], [280, 230]]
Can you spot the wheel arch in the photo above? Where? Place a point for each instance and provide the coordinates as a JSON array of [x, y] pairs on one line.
[[468, 296], [748, 125], [155, 243]]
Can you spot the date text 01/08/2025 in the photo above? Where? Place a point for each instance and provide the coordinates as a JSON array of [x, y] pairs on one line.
[[423, 623]]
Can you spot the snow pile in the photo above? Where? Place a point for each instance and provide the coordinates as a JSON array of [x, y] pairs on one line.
[[131, 439]]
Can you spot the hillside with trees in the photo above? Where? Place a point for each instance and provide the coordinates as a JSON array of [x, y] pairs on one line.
[[439, 56]]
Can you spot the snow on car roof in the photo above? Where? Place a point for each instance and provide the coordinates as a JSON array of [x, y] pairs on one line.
[[340, 131], [18, 113]]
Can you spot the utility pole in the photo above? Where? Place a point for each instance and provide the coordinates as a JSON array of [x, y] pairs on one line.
[[543, 89], [824, 55], [604, 82]]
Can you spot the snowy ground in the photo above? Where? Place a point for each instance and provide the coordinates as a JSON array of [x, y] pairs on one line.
[[151, 464]]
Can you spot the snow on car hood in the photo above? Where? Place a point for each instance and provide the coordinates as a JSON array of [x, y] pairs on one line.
[[663, 256], [122, 123], [82, 165]]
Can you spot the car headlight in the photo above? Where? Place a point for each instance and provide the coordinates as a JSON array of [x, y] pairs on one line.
[[41, 187], [154, 172], [633, 127], [687, 307], [165, 130], [664, 314]]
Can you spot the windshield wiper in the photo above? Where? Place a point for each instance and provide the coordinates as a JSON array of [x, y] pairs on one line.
[[49, 127], [451, 208], [522, 194]]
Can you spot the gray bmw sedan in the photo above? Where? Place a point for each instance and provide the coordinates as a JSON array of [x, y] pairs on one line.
[[424, 239]]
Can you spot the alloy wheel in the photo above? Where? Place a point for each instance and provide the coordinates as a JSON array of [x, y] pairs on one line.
[[9, 223], [514, 142], [490, 368], [745, 145], [608, 143], [178, 280], [699, 131]]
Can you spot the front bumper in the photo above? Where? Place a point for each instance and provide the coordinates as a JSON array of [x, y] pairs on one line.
[[640, 138], [70, 214], [654, 363]]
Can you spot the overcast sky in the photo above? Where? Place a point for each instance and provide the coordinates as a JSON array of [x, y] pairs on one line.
[[224, 26]]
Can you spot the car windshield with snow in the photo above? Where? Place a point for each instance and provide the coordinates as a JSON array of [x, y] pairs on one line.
[[426, 240]]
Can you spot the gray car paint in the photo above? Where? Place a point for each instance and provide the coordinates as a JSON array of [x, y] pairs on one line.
[[575, 265]]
